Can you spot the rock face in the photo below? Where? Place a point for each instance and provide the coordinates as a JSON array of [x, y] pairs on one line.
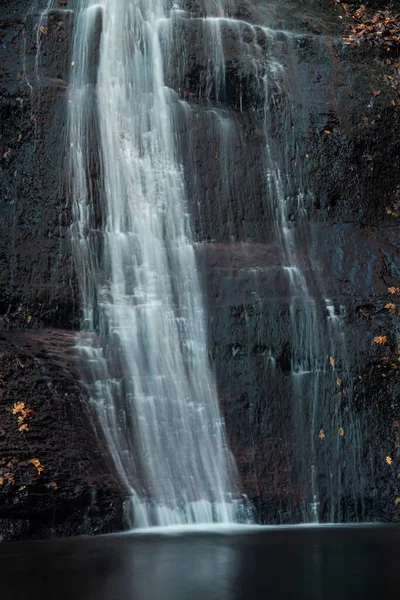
[[55, 479], [346, 240], [77, 492]]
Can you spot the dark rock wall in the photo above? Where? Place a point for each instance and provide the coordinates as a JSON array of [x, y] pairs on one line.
[[77, 491], [348, 244]]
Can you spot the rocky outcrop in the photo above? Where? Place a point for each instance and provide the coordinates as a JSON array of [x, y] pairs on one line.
[[55, 479], [340, 138]]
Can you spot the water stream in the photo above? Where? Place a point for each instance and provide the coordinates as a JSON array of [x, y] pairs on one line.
[[151, 381], [145, 77]]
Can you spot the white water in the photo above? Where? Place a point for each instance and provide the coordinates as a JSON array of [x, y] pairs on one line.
[[146, 345]]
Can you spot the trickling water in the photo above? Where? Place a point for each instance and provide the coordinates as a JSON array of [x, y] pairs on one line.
[[151, 380]]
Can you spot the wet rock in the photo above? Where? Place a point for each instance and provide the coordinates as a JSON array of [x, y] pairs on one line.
[[349, 254], [55, 478]]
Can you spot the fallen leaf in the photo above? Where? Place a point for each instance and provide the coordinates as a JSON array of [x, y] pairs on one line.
[[390, 306], [341, 431], [52, 485], [395, 291], [393, 103], [18, 407], [43, 30], [1, 480], [397, 501], [376, 92], [380, 339], [332, 361], [321, 434], [389, 211], [36, 463], [327, 131], [339, 381], [389, 460], [10, 478], [24, 427]]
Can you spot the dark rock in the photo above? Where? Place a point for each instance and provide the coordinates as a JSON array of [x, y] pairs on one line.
[[347, 244], [56, 479]]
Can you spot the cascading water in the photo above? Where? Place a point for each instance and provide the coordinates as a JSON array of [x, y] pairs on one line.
[[151, 380], [165, 103]]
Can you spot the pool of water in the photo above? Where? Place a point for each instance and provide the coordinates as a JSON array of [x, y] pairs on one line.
[[359, 562]]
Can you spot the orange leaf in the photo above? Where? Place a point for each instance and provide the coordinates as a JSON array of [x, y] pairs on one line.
[[36, 463], [390, 306], [380, 339], [395, 291], [18, 407]]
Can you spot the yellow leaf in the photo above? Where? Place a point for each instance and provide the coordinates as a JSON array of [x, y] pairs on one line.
[[327, 131], [321, 434], [24, 427], [18, 407], [43, 30], [36, 463], [389, 460], [393, 103], [29, 318], [397, 501], [341, 431], [332, 361], [389, 211], [380, 339], [339, 381]]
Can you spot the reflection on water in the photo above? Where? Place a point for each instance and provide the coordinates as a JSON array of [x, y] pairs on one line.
[[317, 563]]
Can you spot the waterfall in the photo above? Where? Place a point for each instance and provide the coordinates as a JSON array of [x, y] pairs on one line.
[[144, 340], [192, 117]]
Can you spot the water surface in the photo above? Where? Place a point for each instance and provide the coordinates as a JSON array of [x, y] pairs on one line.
[[337, 562]]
